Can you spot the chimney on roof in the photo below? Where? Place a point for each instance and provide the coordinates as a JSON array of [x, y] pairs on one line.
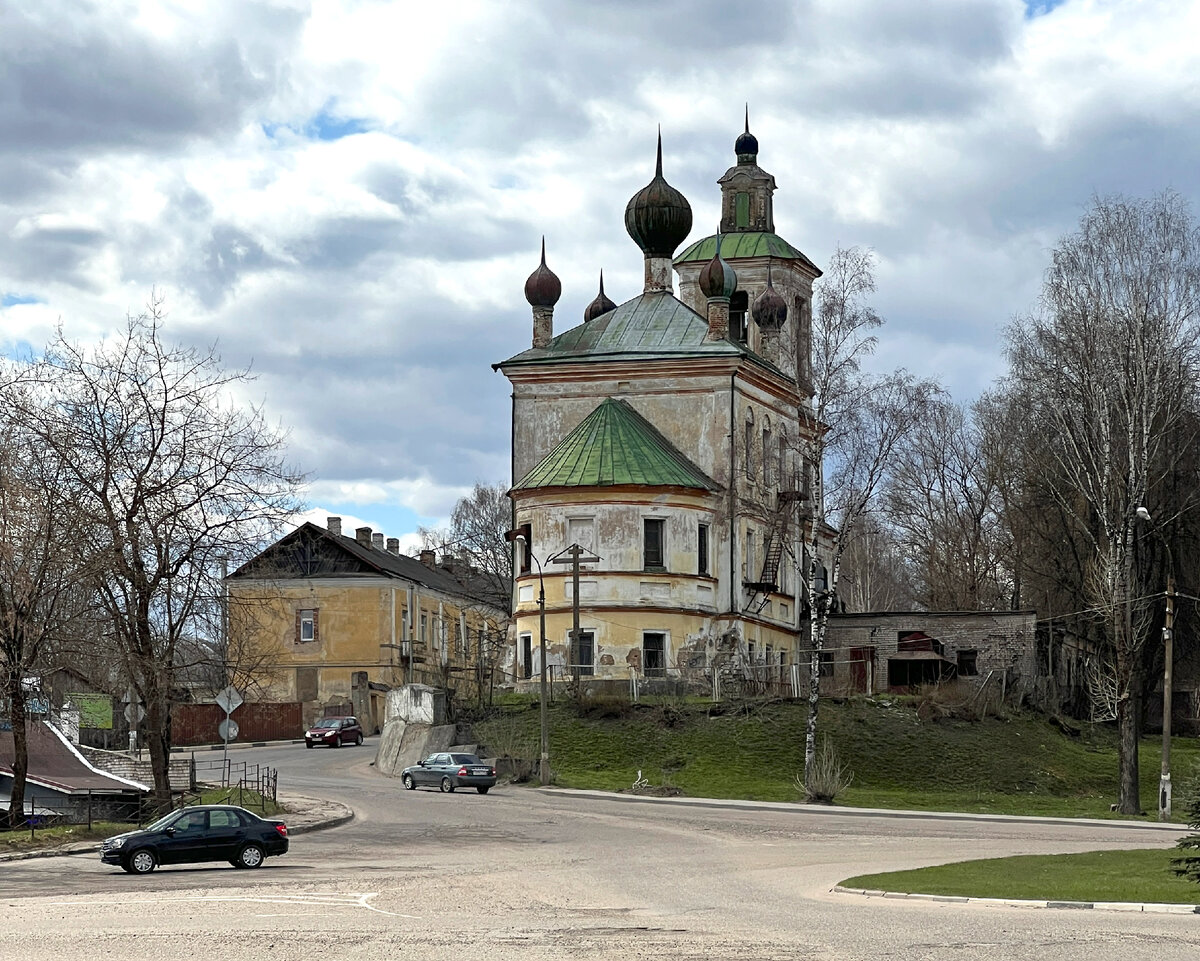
[[363, 536], [393, 546], [377, 541], [427, 558], [448, 561], [334, 525]]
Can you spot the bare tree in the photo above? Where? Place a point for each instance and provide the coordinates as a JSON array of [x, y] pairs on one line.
[[171, 477], [477, 530], [1106, 372], [860, 420], [42, 597]]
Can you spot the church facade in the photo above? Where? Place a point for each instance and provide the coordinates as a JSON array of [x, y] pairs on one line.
[[665, 436]]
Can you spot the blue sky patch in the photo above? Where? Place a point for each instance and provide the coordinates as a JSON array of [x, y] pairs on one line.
[[14, 300], [1039, 8], [322, 126]]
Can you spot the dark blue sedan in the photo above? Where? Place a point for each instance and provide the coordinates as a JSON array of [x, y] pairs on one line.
[[206, 832]]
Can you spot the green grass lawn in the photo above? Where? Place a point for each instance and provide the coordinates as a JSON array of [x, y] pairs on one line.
[[1020, 764], [52, 837], [1140, 875]]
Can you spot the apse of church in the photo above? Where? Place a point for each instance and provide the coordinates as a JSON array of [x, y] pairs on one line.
[[665, 436]]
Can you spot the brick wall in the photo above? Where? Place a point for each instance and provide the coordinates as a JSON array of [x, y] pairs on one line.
[[1003, 642], [179, 770]]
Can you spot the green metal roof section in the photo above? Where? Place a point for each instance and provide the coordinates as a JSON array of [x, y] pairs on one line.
[[615, 445], [748, 244], [654, 324]]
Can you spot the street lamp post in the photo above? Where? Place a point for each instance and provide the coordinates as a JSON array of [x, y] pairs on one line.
[[544, 765], [1164, 780]]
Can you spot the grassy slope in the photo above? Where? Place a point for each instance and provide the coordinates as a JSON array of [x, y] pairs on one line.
[[1019, 765]]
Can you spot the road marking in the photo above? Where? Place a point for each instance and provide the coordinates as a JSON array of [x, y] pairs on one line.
[[358, 900]]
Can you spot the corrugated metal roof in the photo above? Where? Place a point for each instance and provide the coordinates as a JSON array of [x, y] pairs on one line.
[[744, 244], [614, 445]]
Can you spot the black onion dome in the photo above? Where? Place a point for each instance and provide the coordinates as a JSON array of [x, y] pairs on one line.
[[601, 305], [746, 145], [770, 309], [717, 278], [658, 217], [543, 288]]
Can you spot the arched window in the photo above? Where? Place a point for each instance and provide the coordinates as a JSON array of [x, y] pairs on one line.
[[750, 443]]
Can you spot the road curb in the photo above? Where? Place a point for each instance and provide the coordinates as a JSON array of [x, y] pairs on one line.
[[830, 810], [233, 745], [1126, 907]]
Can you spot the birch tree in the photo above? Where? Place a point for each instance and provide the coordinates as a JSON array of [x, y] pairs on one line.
[[861, 419], [1107, 371]]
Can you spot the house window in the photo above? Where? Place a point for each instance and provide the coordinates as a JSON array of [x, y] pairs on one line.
[[306, 626], [654, 654], [702, 549], [750, 651], [585, 653], [748, 568], [652, 550], [739, 305], [424, 627], [526, 655], [741, 207], [967, 666], [750, 443], [581, 531], [766, 453], [826, 666]]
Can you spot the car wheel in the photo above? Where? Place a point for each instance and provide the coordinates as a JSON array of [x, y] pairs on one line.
[[359, 741], [251, 856], [308, 743], [408, 782], [483, 790], [447, 786], [126, 867], [337, 741], [142, 861]]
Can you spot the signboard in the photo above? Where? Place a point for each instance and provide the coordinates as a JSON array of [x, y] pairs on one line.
[[134, 713], [228, 729], [95, 710]]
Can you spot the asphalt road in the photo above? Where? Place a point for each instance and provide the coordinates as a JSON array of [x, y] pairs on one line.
[[532, 874]]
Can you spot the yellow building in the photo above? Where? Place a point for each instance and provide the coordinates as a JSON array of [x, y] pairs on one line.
[[666, 436], [335, 622]]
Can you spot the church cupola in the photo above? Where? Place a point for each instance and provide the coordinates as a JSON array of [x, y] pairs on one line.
[[542, 290], [658, 218], [747, 190], [770, 309], [718, 282], [601, 305]]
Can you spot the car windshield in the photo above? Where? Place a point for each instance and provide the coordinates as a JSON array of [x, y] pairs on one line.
[[328, 722], [162, 822], [465, 759]]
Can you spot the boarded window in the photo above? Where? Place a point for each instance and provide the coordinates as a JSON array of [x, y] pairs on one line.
[[654, 654], [585, 653], [306, 684], [702, 549], [526, 655], [742, 210], [582, 531]]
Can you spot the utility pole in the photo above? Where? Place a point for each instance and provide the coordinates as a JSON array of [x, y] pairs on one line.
[[1164, 781]]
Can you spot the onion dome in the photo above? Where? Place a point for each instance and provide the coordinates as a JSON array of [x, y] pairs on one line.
[[770, 309], [658, 217], [746, 145], [717, 279], [601, 305], [543, 288]]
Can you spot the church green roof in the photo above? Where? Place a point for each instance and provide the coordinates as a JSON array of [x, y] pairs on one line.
[[614, 445], [744, 244]]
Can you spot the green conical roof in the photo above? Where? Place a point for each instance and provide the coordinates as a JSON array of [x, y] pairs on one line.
[[613, 445]]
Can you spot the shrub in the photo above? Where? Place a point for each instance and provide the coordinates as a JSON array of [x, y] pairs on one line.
[[1188, 864], [827, 778]]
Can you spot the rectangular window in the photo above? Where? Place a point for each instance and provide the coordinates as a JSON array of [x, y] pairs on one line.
[[826, 669], [967, 666], [585, 653], [702, 549], [654, 654], [652, 550], [306, 626], [424, 628], [748, 571]]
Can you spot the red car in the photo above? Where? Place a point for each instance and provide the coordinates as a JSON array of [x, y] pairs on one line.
[[334, 731]]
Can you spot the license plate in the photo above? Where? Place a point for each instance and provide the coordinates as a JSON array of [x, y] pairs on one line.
[[481, 770]]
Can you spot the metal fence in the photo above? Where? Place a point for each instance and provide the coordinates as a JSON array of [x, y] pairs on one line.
[[240, 780], [86, 809]]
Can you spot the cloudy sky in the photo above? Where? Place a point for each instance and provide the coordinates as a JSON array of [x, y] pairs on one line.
[[349, 194]]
